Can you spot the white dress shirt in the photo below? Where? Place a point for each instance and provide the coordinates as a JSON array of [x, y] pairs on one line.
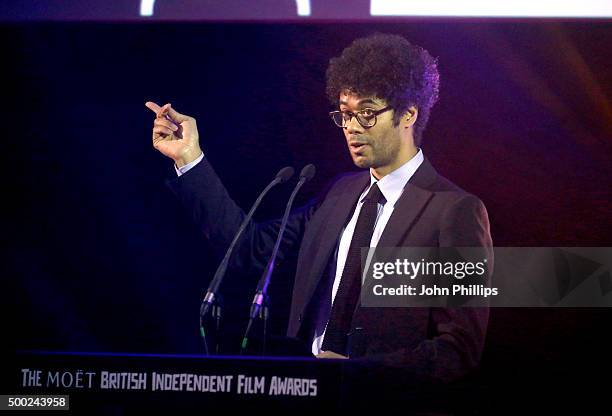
[[184, 169], [392, 187]]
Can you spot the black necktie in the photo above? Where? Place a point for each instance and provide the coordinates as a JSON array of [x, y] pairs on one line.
[[350, 283]]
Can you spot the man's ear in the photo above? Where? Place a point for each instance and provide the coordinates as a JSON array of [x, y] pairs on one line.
[[410, 117]]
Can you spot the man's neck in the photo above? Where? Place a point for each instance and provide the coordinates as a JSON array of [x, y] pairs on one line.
[[402, 158]]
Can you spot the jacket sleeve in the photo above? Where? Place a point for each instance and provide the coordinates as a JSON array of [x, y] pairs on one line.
[[207, 201]]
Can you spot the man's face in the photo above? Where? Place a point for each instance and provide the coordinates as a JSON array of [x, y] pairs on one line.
[[374, 147]]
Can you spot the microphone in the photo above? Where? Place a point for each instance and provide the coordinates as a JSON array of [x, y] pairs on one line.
[[282, 176], [306, 174]]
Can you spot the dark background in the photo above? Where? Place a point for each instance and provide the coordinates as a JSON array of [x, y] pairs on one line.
[[99, 256]]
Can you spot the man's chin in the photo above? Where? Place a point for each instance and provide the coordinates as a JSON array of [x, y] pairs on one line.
[[362, 162]]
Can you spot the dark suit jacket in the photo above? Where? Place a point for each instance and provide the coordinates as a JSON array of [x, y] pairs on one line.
[[438, 343]]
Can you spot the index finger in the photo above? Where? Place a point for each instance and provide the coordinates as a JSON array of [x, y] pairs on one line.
[[153, 107]]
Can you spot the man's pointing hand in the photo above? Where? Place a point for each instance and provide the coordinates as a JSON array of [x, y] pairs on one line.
[[174, 134]]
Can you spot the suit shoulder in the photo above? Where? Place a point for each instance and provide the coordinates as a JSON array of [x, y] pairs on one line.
[[333, 188], [444, 185], [343, 179], [453, 193], [351, 176]]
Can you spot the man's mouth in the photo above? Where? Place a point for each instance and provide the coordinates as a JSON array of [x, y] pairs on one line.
[[357, 145]]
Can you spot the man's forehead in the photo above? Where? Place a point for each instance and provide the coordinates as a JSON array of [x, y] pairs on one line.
[[352, 98]]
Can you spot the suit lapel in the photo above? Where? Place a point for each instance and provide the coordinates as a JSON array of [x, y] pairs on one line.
[[416, 195], [343, 208], [406, 211]]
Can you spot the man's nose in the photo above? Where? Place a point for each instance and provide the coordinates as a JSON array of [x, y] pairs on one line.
[[353, 126]]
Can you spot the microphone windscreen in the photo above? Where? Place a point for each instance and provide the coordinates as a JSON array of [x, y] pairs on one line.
[[308, 172], [285, 174]]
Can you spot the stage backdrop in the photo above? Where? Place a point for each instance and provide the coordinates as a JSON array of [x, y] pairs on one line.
[[98, 253]]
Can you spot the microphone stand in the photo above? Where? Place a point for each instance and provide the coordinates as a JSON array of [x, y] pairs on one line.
[[210, 298], [259, 306]]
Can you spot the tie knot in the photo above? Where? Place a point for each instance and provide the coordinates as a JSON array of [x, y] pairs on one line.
[[374, 195]]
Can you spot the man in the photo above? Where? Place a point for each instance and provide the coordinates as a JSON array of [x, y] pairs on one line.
[[385, 88]]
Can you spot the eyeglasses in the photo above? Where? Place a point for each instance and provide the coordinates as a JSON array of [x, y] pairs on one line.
[[366, 117]]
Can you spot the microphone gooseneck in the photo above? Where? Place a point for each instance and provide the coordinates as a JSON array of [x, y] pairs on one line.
[[282, 176], [259, 299]]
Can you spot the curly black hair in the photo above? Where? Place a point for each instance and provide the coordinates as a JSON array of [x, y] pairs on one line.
[[390, 68]]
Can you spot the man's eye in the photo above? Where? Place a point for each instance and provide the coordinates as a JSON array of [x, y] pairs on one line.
[[368, 112]]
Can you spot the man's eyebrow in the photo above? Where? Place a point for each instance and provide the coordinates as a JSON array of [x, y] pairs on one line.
[[360, 102], [366, 101]]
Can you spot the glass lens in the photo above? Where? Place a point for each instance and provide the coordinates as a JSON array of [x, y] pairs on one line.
[[367, 119], [338, 117]]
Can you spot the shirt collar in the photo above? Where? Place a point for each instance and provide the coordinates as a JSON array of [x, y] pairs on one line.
[[392, 185]]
